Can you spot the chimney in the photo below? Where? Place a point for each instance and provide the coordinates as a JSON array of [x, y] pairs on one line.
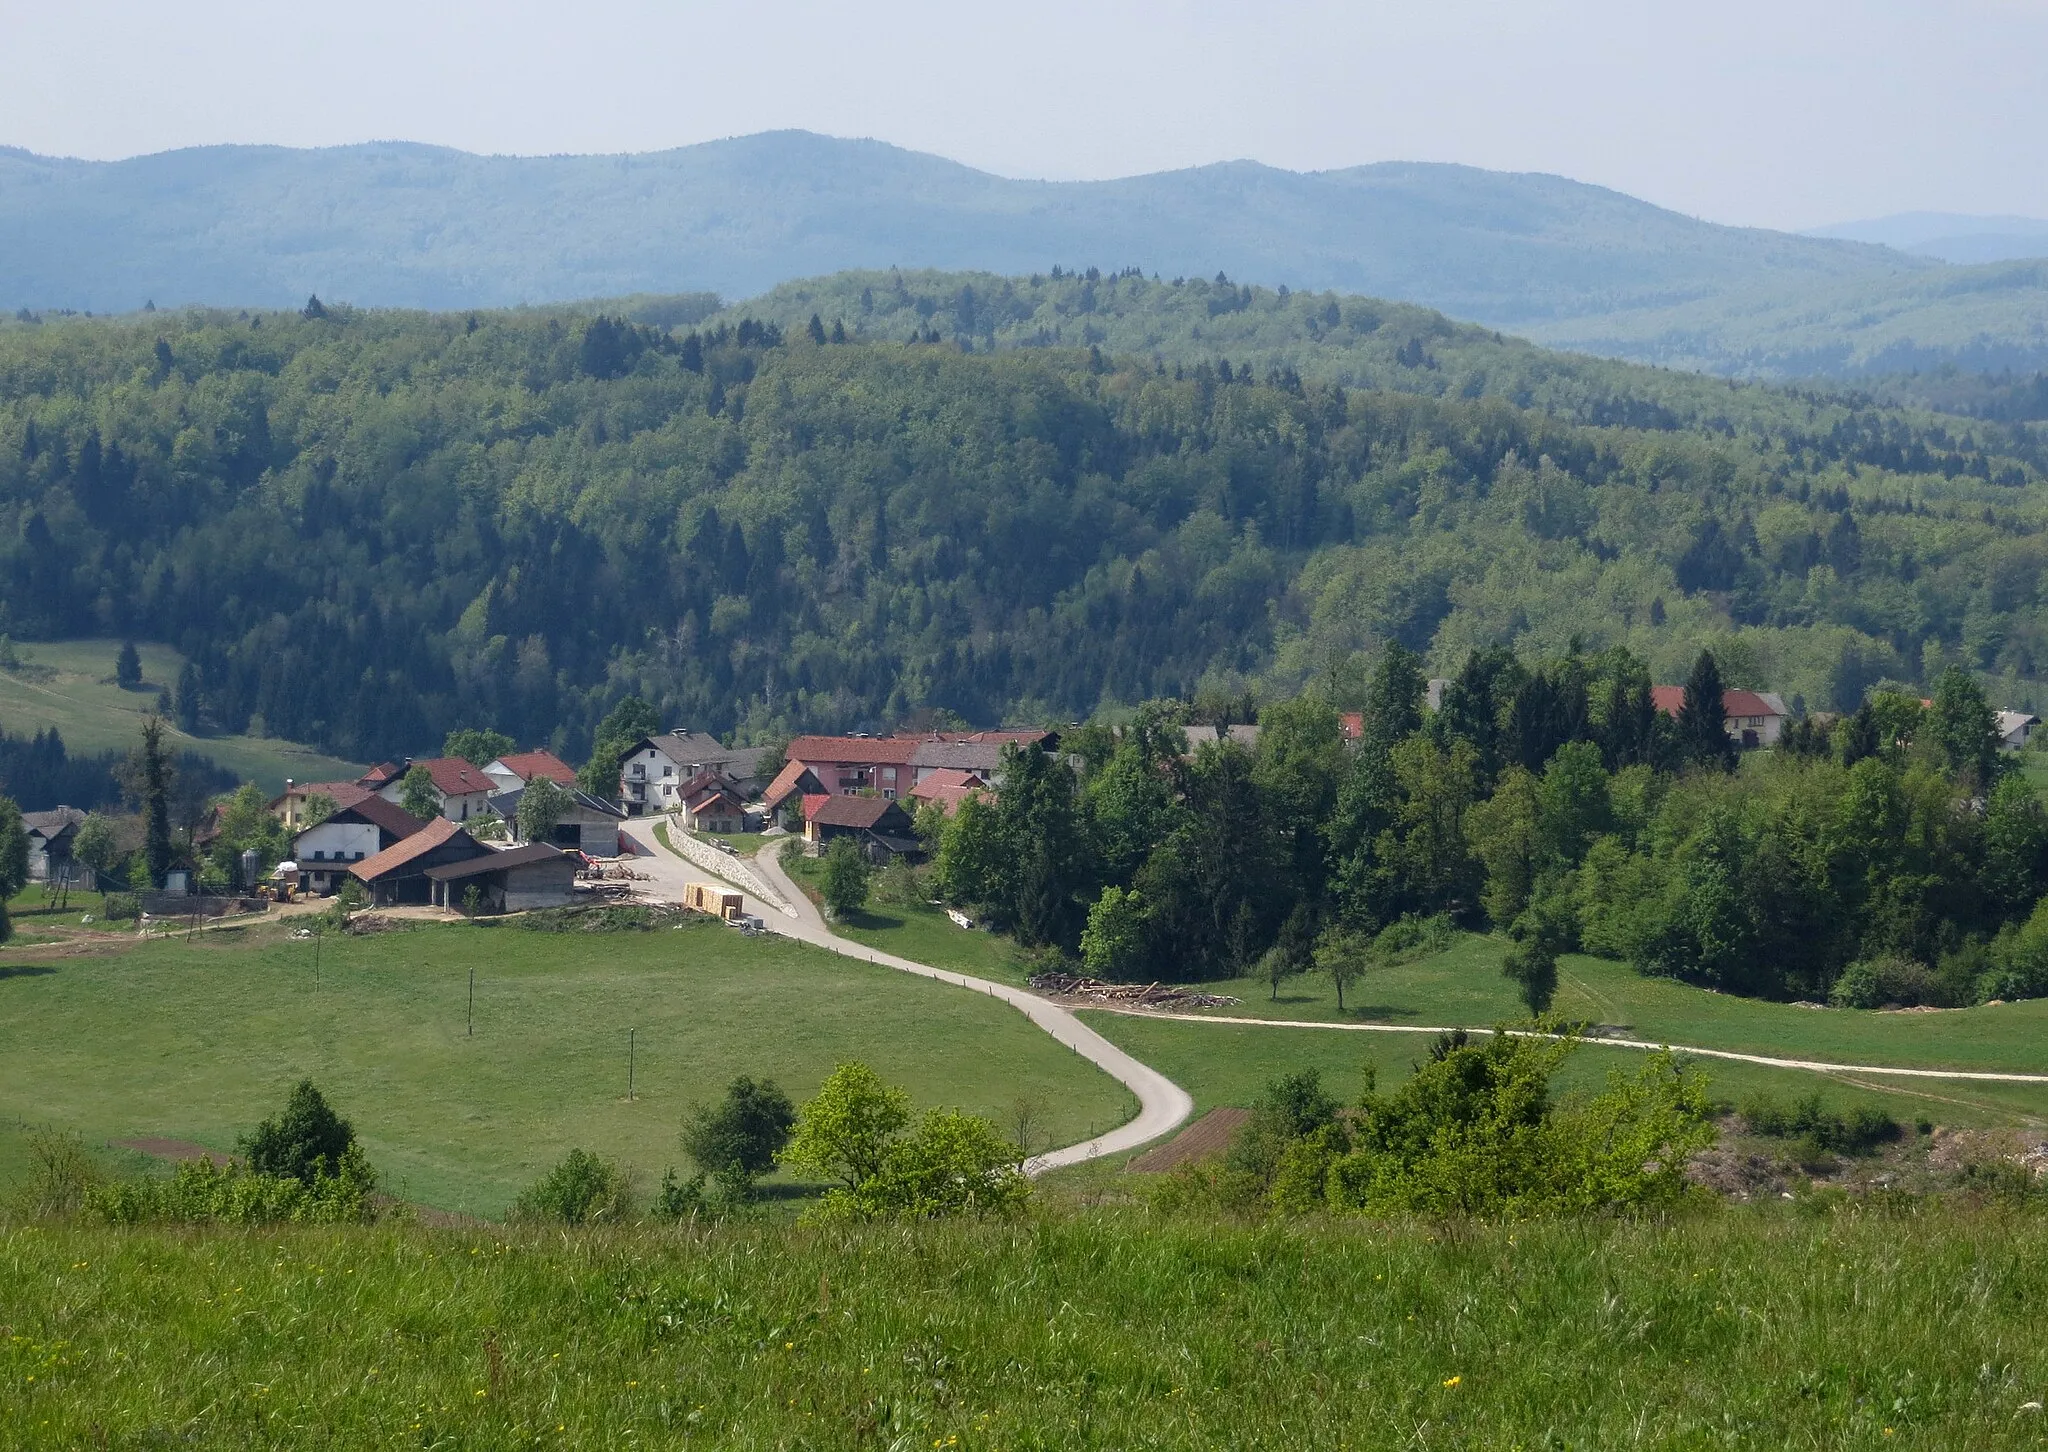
[[288, 786]]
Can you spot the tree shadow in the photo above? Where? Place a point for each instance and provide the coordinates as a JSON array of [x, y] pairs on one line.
[[1378, 1011], [873, 921], [26, 970]]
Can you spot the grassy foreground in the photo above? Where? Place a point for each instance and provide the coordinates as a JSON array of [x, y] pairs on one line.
[[199, 1042], [1735, 1329]]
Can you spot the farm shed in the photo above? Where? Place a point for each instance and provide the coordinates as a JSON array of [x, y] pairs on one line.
[[518, 878]]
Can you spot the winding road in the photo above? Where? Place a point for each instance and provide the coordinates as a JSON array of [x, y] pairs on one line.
[[1162, 1104]]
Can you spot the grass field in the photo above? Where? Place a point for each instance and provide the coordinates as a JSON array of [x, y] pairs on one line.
[[1232, 1063], [923, 934], [80, 699], [1463, 986], [199, 1042], [1737, 1328]]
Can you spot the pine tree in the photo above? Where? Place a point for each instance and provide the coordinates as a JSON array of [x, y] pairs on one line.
[[1702, 720], [816, 329], [128, 667], [153, 778]]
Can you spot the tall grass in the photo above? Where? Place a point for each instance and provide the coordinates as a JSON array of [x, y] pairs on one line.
[[1100, 1330]]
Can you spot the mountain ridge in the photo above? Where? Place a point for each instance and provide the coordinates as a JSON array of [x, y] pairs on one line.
[[410, 224]]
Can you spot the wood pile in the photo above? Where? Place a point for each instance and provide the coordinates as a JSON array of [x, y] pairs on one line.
[[1137, 995]]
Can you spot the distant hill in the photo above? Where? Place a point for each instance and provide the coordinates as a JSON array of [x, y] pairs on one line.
[[1949, 236]]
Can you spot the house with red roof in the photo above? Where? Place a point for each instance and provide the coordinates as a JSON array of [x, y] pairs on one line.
[[461, 791], [522, 768], [881, 828], [948, 788], [1751, 718], [355, 833], [889, 766]]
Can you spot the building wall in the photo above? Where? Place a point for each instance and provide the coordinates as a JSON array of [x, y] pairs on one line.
[[335, 842], [540, 885]]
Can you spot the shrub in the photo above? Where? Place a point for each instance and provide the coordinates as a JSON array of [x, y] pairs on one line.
[[1883, 982], [583, 1189], [62, 1177], [844, 882], [1857, 1132], [304, 1143], [121, 907], [1415, 937], [204, 1193], [740, 1136], [2019, 960], [1474, 1132]]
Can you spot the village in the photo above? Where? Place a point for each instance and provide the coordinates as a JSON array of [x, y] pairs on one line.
[[521, 832]]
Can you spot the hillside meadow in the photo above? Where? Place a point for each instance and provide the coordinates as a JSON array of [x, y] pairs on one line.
[[197, 1042], [1117, 1330]]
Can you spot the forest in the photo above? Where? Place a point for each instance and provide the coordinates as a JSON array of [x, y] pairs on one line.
[[1892, 856], [368, 528]]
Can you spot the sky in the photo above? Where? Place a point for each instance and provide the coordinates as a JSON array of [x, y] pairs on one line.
[[1780, 113]]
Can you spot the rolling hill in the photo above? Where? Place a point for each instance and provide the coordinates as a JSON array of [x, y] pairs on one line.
[[396, 224]]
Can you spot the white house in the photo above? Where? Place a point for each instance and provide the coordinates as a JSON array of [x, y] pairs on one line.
[[653, 771], [327, 850], [510, 773], [462, 791], [2015, 729]]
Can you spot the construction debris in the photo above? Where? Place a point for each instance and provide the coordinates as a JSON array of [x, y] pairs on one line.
[[1147, 995]]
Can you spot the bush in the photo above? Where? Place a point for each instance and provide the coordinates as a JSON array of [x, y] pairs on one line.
[[121, 907], [304, 1143], [582, 1190], [203, 1193], [844, 882], [1883, 983], [62, 1176], [2019, 960], [1473, 1132], [1857, 1132], [740, 1137], [1414, 937]]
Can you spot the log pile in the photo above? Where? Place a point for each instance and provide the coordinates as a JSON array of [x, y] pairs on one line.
[[1135, 995]]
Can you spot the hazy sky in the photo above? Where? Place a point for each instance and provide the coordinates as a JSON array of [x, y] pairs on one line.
[[1788, 113]]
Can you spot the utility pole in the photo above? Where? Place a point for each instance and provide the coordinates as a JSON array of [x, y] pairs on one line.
[[632, 1037], [472, 1000]]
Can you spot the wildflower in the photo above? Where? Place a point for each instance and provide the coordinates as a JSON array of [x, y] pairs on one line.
[[1453, 1381]]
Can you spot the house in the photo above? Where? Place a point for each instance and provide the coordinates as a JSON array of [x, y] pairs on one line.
[[708, 802], [291, 808], [786, 793], [2015, 729], [461, 791], [1751, 718], [590, 825], [50, 836], [355, 833], [381, 775], [1246, 736], [890, 766], [510, 773], [653, 769], [398, 874], [880, 827], [948, 788], [514, 880]]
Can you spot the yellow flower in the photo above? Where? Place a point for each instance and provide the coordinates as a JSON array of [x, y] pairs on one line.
[[1453, 1381]]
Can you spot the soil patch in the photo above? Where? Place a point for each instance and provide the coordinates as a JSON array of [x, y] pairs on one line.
[[1206, 1138]]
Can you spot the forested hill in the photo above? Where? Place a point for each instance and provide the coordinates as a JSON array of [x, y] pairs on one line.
[[370, 527], [392, 224]]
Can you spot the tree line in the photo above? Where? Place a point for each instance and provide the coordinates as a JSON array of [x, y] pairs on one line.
[[1893, 855]]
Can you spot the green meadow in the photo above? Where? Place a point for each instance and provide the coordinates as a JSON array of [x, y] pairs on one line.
[[198, 1042], [69, 684], [1763, 1328]]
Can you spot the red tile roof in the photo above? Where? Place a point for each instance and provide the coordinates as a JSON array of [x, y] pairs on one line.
[[813, 802], [945, 778], [425, 840], [526, 765], [786, 781], [854, 750], [456, 777], [388, 816], [1671, 699], [852, 811], [341, 793]]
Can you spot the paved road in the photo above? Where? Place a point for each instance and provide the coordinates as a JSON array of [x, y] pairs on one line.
[[1822, 1066], [1162, 1104]]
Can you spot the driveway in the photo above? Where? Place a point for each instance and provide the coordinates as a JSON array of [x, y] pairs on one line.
[[1162, 1104]]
